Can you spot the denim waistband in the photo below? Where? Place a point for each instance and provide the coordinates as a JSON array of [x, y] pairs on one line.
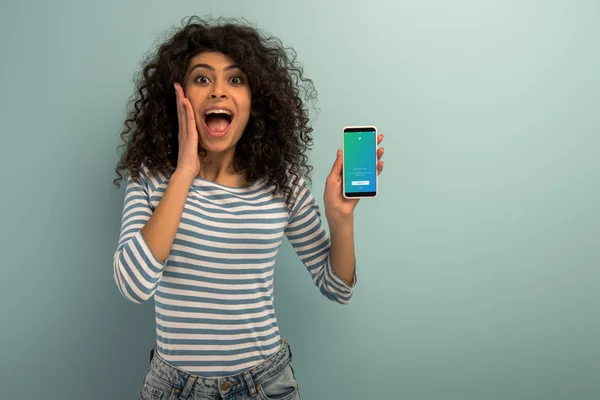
[[187, 382]]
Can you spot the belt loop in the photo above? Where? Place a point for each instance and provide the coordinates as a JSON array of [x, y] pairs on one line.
[[152, 352], [289, 349], [250, 382], [188, 387]]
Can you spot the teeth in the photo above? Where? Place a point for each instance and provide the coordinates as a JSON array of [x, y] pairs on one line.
[[217, 111]]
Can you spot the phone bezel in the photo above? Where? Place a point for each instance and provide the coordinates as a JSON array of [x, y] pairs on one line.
[[359, 195]]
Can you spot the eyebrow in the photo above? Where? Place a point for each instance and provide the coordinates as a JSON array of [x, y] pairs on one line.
[[209, 67]]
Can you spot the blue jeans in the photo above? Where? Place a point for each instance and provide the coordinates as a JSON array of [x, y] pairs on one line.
[[273, 379]]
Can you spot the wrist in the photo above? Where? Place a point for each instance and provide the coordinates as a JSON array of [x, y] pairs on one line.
[[183, 176], [340, 221]]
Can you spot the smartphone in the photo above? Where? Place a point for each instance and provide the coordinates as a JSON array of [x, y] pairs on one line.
[[360, 162]]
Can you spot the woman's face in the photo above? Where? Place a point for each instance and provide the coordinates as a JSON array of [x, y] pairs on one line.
[[220, 96]]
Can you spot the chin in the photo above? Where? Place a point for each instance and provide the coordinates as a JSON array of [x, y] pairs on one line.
[[217, 147]]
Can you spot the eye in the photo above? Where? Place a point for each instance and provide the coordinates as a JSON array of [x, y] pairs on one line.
[[237, 80], [202, 79]]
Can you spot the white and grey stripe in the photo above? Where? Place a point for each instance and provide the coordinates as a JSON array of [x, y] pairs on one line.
[[214, 294]]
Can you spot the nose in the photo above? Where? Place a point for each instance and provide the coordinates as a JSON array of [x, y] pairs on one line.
[[214, 95], [218, 91]]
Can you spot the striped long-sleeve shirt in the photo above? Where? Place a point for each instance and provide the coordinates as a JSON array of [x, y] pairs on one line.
[[214, 294]]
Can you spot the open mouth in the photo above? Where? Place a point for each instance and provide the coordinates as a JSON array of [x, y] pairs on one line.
[[218, 121]]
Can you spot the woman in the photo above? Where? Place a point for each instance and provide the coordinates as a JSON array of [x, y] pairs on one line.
[[215, 153]]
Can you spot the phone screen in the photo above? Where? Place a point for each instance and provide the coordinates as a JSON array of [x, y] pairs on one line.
[[360, 163]]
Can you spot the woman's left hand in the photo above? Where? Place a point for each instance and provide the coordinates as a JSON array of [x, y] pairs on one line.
[[337, 207]]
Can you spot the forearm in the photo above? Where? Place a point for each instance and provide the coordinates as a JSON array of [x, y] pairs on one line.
[[160, 230], [341, 253]]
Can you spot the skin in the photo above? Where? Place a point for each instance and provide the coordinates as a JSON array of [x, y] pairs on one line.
[[212, 79]]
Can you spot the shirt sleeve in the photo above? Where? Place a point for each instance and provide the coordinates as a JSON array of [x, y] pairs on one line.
[[311, 242], [136, 269]]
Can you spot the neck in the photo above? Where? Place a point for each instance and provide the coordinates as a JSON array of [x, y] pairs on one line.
[[218, 168]]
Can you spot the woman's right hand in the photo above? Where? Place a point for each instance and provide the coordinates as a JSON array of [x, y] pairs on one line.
[[188, 161]]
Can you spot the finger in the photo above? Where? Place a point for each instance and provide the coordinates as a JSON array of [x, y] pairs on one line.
[[380, 153], [190, 122], [379, 167], [180, 110], [336, 170], [379, 138], [177, 105]]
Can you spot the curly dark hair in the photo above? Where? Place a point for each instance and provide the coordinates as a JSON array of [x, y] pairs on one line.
[[278, 134]]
